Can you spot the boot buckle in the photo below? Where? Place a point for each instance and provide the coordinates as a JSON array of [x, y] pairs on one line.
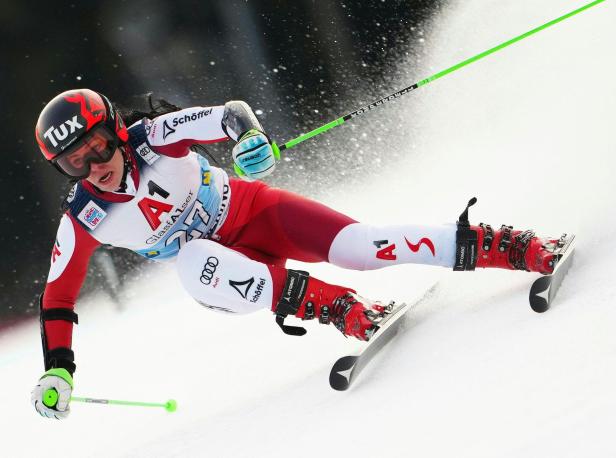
[[505, 240], [324, 315], [488, 236]]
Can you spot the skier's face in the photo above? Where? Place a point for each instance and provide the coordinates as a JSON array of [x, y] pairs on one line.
[[108, 175]]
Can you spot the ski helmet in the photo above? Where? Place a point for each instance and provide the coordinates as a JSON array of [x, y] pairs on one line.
[[79, 127]]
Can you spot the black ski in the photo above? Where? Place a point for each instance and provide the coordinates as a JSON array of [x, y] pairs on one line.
[[544, 289], [347, 368]]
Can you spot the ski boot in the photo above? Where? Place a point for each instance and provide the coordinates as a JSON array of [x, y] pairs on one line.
[[505, 248], [358, 317], [308, 298]]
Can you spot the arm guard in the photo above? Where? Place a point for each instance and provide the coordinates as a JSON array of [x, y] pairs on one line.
[[58, 357], [238, 119]]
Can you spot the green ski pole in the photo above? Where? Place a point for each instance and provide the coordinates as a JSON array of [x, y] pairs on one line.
[[406, 90], [170, 406], [50, 399]]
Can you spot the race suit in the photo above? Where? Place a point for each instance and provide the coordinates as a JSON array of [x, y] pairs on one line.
[[233, 236]]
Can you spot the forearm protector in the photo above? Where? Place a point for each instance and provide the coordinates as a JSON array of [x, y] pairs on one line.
[[238, 118], [58, 357]]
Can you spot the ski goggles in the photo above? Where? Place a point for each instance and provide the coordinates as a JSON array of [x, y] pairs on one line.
[[98, 146]]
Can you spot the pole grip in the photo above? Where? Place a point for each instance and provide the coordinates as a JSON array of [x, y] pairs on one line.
[[50, 397]]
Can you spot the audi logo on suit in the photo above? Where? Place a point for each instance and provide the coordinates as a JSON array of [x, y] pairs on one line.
[[208, 270]]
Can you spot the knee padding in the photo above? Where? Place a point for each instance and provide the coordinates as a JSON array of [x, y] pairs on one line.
[[222, 279]]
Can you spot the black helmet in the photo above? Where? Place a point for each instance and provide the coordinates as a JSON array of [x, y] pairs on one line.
[[79, 127]]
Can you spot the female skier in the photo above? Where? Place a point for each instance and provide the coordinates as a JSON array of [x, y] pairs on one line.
[[143, 188]]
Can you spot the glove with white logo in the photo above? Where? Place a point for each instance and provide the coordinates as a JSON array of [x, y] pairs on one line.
[[254, 156], [52, 395]]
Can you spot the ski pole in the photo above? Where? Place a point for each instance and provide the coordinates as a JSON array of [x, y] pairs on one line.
[[406, 90], [170, 406], [50, 399]]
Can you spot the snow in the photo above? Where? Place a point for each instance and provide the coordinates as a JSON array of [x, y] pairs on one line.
[[477, 373]]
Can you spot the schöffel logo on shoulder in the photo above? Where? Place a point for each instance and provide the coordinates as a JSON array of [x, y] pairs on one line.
[[67, 127], [167, 130], [92, 215], [190, 117]]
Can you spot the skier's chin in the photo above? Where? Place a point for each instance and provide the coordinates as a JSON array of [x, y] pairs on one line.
[[108, 181]]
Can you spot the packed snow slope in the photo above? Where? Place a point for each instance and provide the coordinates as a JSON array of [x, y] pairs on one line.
[[530, 131]]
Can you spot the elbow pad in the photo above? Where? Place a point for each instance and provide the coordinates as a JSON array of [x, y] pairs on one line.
[[238, 119]]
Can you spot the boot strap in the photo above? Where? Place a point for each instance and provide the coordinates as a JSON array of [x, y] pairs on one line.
[[466, 242], [292, 297]]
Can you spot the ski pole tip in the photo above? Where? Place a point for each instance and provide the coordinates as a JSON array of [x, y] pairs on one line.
[[171, 405]]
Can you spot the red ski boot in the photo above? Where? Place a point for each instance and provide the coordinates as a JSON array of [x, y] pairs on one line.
[[482, 246], [308, 297]]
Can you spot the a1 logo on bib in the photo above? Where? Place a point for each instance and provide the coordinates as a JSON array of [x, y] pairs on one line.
[[92, 215]]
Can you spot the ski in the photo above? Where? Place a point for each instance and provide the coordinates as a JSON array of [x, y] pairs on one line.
[[346, 369], [544, 289]]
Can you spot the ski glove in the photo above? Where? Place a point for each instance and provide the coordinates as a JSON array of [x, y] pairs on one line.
[[52, 395], [254, 156]]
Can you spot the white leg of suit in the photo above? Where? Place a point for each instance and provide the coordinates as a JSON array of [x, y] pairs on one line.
[[223, 279], [364, 247]]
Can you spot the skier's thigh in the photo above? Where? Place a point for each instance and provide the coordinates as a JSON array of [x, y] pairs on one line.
[[222, 279]]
